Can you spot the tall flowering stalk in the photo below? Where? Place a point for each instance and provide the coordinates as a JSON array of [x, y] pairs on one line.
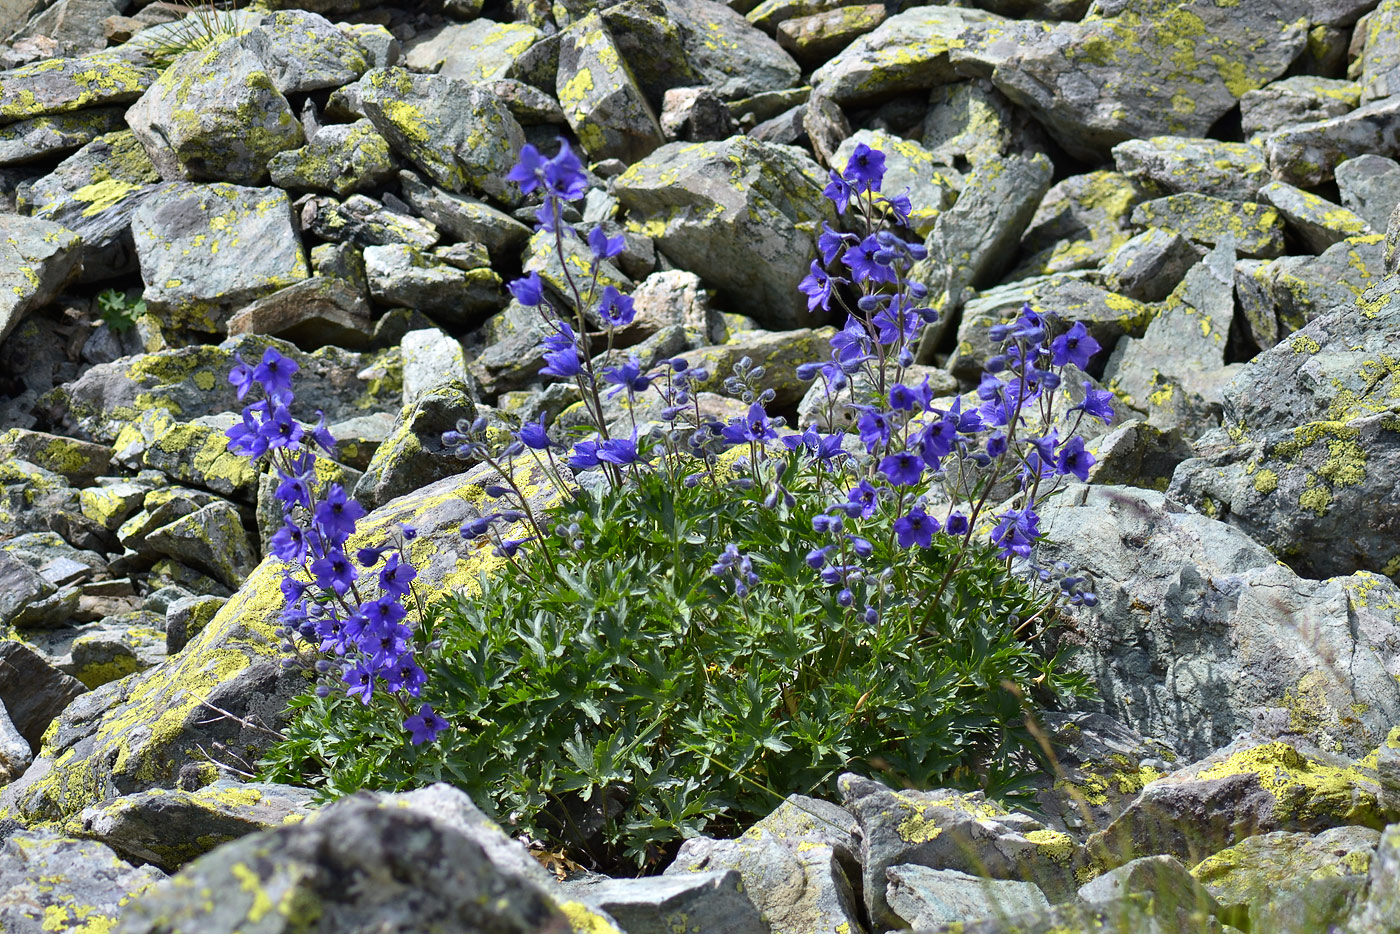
[[351, 621]]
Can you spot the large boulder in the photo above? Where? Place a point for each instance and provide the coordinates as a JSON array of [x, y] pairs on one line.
[[741, 214], [37, 258], [50, 882], [1200, 633]]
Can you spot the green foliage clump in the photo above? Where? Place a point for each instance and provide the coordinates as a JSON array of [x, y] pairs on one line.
[[200, 28], [630, 699], [118, 311]]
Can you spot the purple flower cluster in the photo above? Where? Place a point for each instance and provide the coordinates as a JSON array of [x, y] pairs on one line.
[[358, 629]]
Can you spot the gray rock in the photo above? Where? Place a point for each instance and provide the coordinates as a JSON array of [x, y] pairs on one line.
[[311, 314], [339, 159], [186, 617], [51, 882], [37, 258], [601, 100], [1138, 454], [1161, 878], [1317, 222], [430, 358], [1291, 101], [1376, 69], [417, 871], [401, 274], [306, 52], [971, 121], [15, 752], [826, 126], [1140, 914], [363, 221], [1149, 266], [741, 214], [20, 588], [63, 85], [381, 47], [32, 691], [926, 898], [1256, 229], [413, 455], [973, 241], [1078, 224], [945, 829], [1200, 633], [206, 250], [211, 539], [168, 828], [118, 646], [216, 115], [1255, 876], [1370, 187], [1308, 154], [725, 50], [1377, 910], [703, 902], [796, 866], [1279, 297], [695, 114], [460, 134], [78, 462], [463, 217], [1118, 76], [907, 52], [483, 50], [1234, 171], [94, 193], [58, 134], [569, 278]]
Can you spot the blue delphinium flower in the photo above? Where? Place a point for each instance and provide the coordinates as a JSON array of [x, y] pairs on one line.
[[817, 287], [528, 290], [1075, 346], [916, 527], [616, 310], [424, 726], [865, 170]]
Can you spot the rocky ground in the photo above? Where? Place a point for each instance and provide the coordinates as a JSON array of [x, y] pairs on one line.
[[1207, 184]]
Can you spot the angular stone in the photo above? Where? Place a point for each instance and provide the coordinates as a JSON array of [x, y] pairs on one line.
[[79, 462], [702, 902], [310, 314], [38, 137], [814, 38], [1162, 878], [50, 882], [460, 134], [945, 829], [211, 539], [927, 898], [1308, 154], [168, 828], [63, 85], [216, 115], [423, 873], [1317, 222], [1078, 223], [1281, 296], [463, 217], [1259, 870], [969, 122], [601, 100], [20, 586], [400, 274], [695, 114], [741, 214], [907, 52], [133, 643], [93, 193], [484, 50], [186, 618], [339, 159], [306, 52], [15, 754], [32, 691], [413, 456], [207, 250], [37, 258], [1370, 187], [724, 50], [1245, 789], [1147, 69], [1200, 633], [1291, 101], [1149, 266], [1256, 229], [1138, 454], [365, 222], [197, 453], [907, 166], [1140, 914], [1233, 171]]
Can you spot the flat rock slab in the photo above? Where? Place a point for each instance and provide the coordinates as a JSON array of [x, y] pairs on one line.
[[63, 85]]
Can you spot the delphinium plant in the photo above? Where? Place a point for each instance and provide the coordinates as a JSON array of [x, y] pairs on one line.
[[736, 611], [344, 621]]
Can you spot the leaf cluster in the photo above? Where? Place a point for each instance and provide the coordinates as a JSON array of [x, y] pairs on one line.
[[631, 699], [118, 311]]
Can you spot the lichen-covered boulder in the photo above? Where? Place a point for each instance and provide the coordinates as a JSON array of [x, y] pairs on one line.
[[1319, 223], [601, 100], [306, 52], [1259, 870], [63, 85], [1255, 229], [944, 829], [340, 158], [1180, 163], [216, 115], [1370, 187], [119, 646], [1308, 154], [138, 733], [742, 215], [93, 193], [1247, 788], [168, 827], [462, 216], [386, 863], [1200, 633], [78, 462], [1278, 297], [32, 691], [211, 539], [460, 134], [702, 902], [1078, 223], [1149, 266], [205, 250], [401, 274], [924, 898], [481, 50], [53, 883], [363, 221], [57, 134], [413, 455], [1295, 100], [313, 313], [1148, 69], [37, 258], [726, 51]]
